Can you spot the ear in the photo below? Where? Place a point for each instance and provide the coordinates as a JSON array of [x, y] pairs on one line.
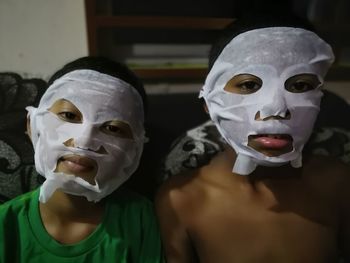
[[29, 131], [205, 107]]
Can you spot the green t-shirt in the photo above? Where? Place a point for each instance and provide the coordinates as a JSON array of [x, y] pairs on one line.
[[128, 233]]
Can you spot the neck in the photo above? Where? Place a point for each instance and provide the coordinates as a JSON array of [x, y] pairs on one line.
[[70, 219], [67, 207], [265, 172]]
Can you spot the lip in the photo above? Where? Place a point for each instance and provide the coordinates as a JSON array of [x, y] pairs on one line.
[[271, 144], [78, 164]]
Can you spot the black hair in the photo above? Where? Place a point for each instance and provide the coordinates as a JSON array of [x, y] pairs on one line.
[[247, 22], [106, 66]]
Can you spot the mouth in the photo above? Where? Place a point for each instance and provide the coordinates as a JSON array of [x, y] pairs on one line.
[[271, 144], [77, 164]]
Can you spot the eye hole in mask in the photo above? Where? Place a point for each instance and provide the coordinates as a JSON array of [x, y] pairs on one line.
[[302, 83], [118, 129], [243, 84], [67, 111]]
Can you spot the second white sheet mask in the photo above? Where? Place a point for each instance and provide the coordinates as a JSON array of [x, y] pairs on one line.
[[273, 55], [100, 98]]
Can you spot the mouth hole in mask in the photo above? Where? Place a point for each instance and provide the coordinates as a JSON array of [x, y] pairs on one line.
[[79, 166], [271, 145]]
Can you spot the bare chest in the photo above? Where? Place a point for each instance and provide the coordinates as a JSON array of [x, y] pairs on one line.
[[267, 228]]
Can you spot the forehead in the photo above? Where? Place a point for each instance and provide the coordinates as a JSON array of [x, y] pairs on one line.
[[98, 96], [277, 47]]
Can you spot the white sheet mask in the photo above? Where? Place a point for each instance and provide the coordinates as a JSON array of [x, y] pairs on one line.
[[100, 98], [274, 55]]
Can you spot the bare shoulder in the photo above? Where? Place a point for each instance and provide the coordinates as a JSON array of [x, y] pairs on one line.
[[190, 193], [178, 191], [176, 203], [334, 180], [326, 165], [194, 184], [328, 172]]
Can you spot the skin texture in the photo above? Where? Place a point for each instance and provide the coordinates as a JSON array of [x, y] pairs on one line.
[[68, 218], [276, 214]]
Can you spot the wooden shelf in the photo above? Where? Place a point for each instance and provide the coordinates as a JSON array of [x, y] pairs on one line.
[[96, 22], [168, 22], [104, 22], [195, 74]]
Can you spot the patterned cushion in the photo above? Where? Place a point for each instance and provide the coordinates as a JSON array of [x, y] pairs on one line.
[[199, 145], [17, 172]]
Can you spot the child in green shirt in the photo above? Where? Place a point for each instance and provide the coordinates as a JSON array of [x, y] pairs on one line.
[[88, 137]]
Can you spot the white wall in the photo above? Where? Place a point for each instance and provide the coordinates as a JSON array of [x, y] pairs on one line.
[[37, 37]]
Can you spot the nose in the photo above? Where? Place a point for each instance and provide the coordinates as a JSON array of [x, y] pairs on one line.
[[273, 117], [87, 140], [275, 107]]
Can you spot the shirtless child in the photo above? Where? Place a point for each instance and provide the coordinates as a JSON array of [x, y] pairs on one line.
[[261, 200]]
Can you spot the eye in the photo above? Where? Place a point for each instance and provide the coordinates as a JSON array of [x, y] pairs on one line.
[[243, 84], [66, 111], [249, 86], [69, 116], [117, 128], [302, 83], [112, 129], [300, 87]]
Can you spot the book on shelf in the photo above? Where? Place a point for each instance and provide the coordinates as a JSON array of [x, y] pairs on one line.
[[167, 63]]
